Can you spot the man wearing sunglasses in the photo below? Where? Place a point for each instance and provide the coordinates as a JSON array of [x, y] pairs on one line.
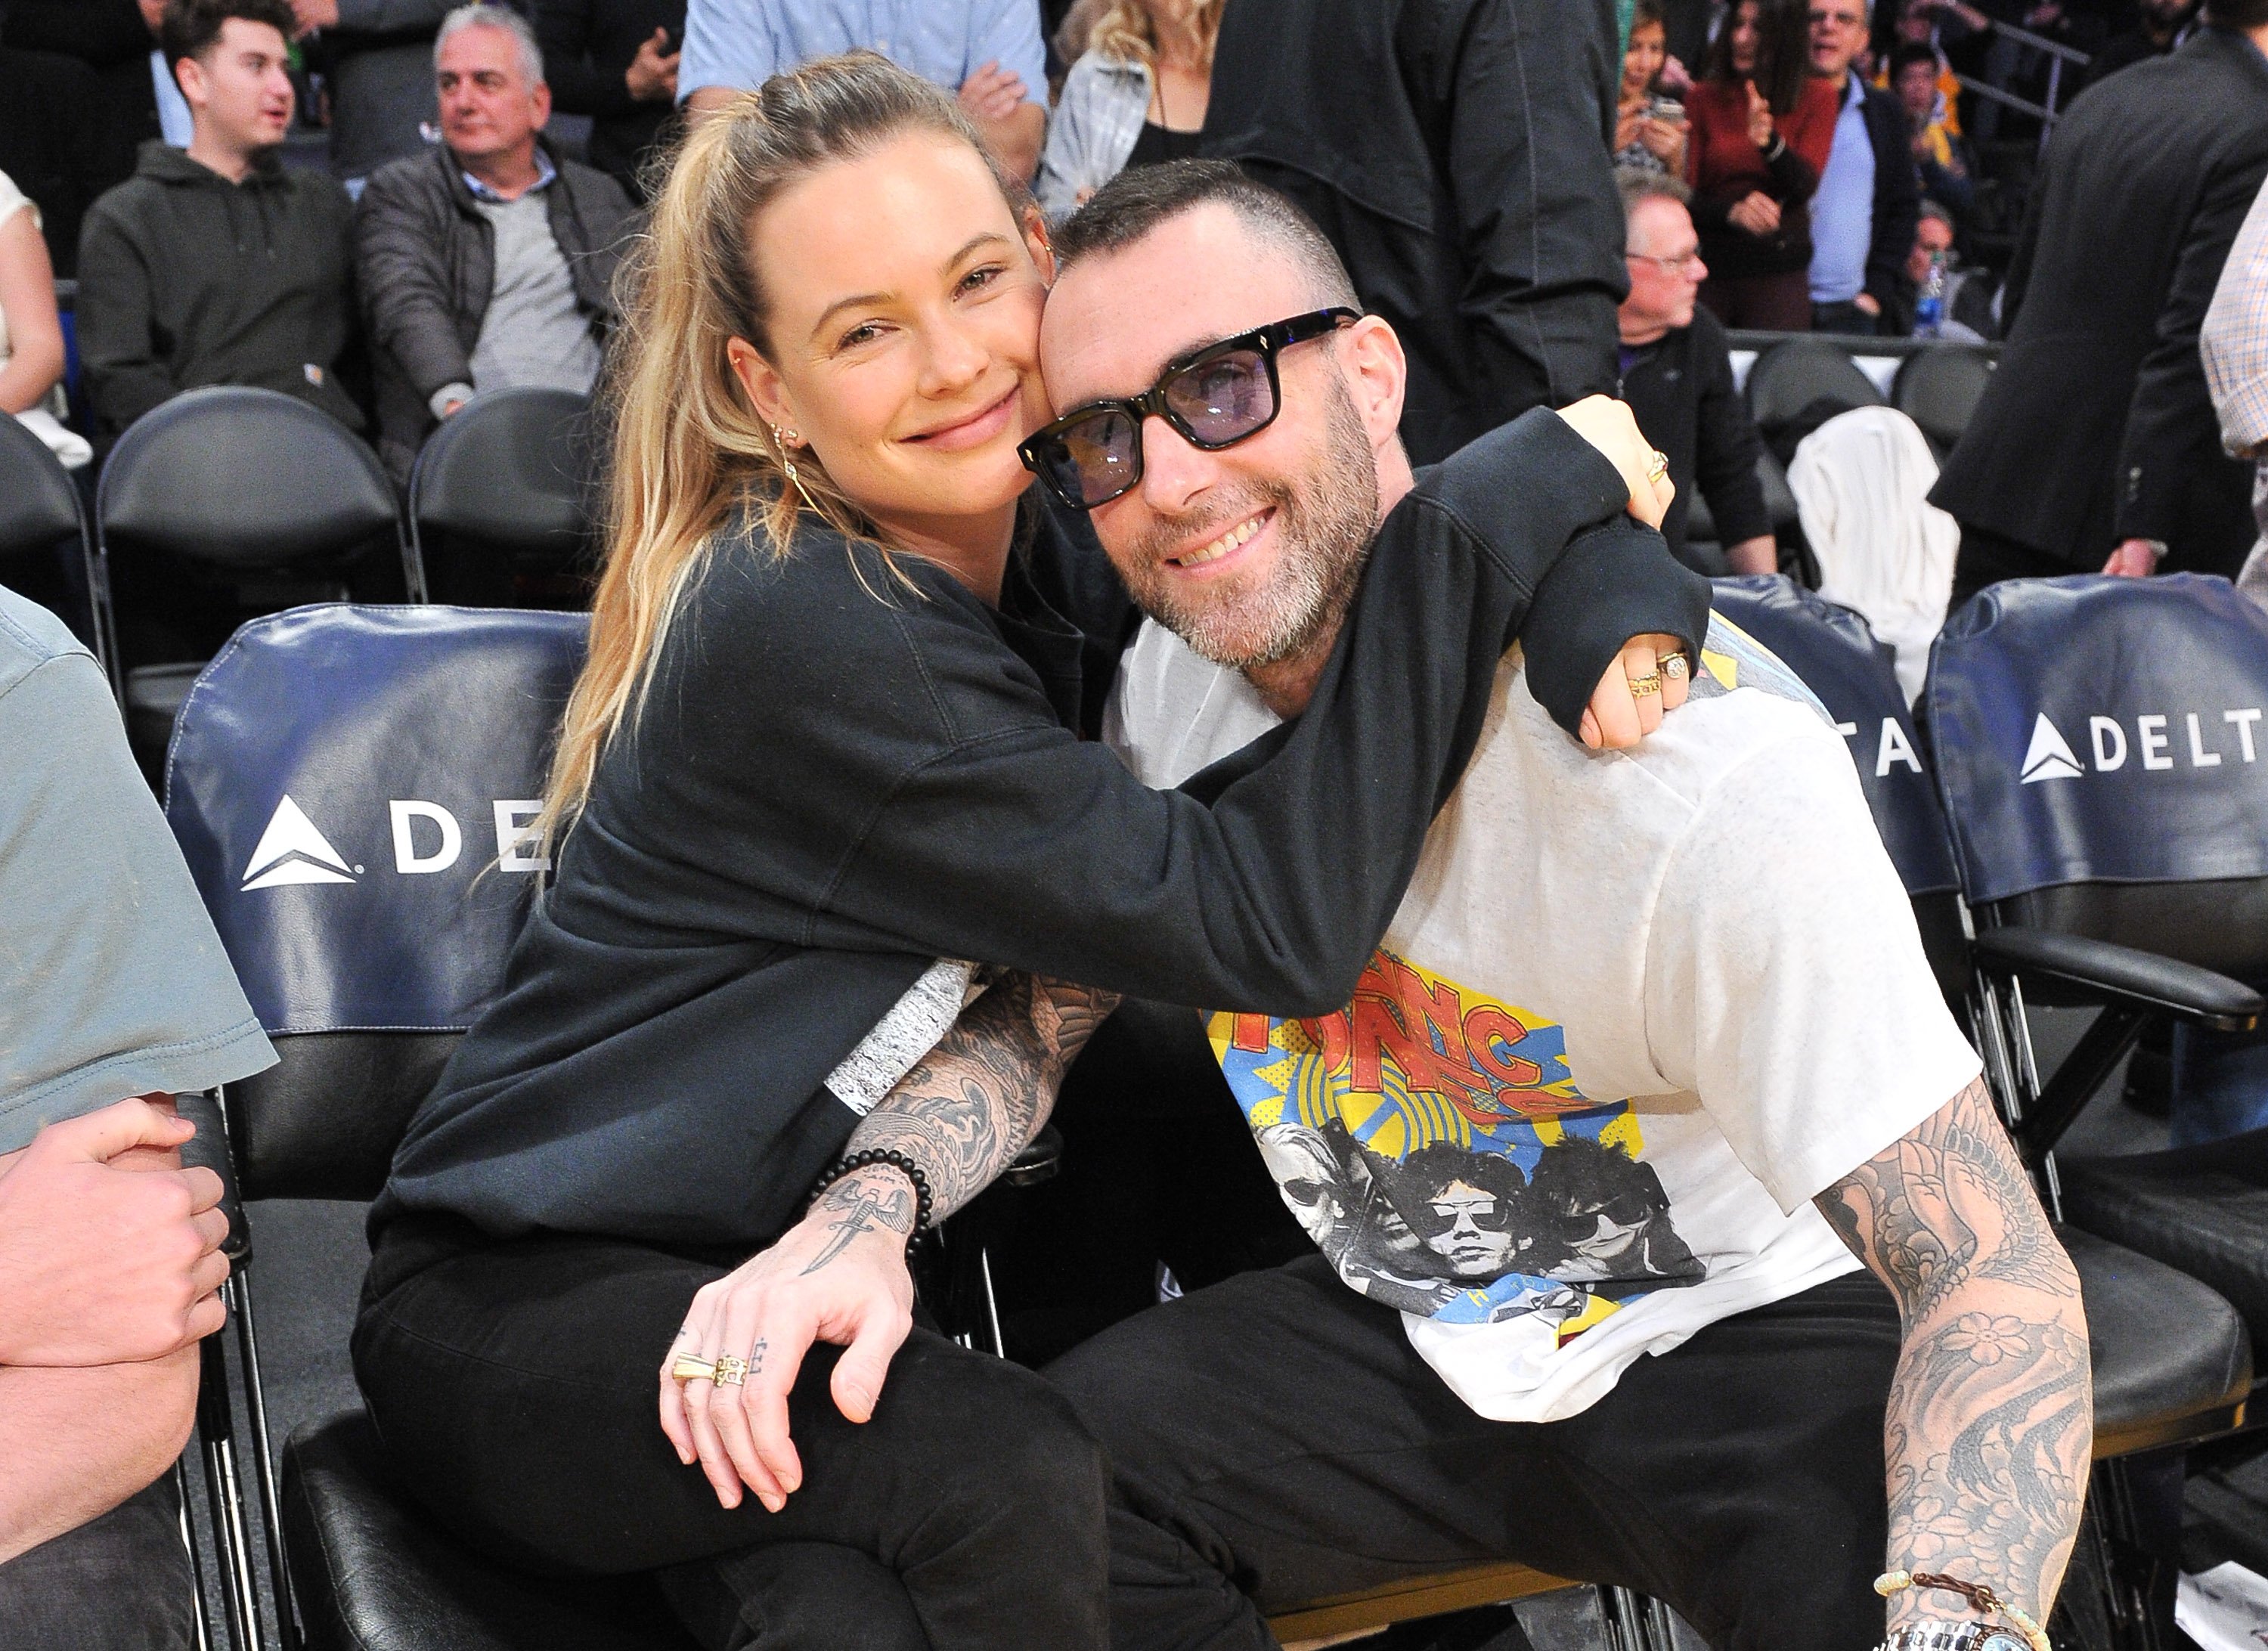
[[1668, 1005]]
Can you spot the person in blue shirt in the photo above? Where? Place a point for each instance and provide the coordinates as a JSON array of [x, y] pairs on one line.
[[988, 51]]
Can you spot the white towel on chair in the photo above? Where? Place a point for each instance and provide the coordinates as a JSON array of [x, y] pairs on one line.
[[1861, 482]]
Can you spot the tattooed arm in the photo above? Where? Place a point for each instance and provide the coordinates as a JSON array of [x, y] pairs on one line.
[[963, 1113], [1990, 1423]]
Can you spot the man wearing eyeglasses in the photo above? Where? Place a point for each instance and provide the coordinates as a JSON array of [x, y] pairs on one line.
[[1677, 376], [1647, 1075], [1862, 218]]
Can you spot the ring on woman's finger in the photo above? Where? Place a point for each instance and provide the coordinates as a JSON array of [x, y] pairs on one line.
[[1642, 686], [1658, 465], [688, 1368], [731, 1372], [1673, 667]]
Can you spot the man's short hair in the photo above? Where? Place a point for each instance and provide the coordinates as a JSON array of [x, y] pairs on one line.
[[1643, 183], [190, 27], [1908, 53], [481, 15], [1135, 202], [2237, 14]]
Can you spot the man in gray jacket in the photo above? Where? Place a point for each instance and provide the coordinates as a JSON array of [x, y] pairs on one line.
[[488, 264]]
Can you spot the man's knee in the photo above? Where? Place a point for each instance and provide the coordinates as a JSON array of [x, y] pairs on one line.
[[119, 1583], [1035, 1452]]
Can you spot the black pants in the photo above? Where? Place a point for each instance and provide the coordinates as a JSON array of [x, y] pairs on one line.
[[119, 1583], [515, 1387], [1275, 1440]]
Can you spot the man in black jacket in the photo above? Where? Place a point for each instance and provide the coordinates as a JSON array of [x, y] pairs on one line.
[[216, 265], [486, 263], [1862, 218], [2095, 445], [1455, 154], [617, 62], [1677, 376]]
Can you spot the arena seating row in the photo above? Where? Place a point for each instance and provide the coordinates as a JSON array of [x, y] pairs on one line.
[[228, 502], [352, 783], [1794, 384]]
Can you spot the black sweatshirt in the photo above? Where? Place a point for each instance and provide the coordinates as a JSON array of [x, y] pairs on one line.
[[835, 781]]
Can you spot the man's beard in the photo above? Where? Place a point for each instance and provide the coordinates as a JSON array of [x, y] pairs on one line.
[[1325, 520]]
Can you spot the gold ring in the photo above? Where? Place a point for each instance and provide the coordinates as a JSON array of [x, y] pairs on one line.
[[688, 1368], [731, 1372], [1660, 467], [1641, 686], [1673, 667]]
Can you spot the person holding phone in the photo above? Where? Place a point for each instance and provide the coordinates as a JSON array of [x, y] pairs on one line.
[[617, 62], [1650, 129]]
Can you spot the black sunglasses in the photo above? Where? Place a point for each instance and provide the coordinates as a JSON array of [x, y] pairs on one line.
[[1214, 399]]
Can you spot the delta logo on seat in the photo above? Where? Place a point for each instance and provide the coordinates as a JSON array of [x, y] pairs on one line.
[[427, 838], [2050, 756]]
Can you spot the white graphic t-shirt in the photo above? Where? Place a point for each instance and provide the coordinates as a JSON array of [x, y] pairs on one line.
[[1636, 1010]]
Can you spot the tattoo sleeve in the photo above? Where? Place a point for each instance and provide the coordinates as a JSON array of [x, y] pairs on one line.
[[1990, 1423], [978, 1099]]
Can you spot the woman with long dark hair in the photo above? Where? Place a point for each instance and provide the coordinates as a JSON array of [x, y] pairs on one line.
[[827, 735], [1762, 125]]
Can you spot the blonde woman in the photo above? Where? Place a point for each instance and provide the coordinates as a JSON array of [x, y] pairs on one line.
[[827, 734], [1137, 96]]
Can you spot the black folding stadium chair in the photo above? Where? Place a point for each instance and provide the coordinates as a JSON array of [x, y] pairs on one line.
[[224, 502], [43, 538], [499, 499], [1939, 389], [1797, 385], [2170, 1359]]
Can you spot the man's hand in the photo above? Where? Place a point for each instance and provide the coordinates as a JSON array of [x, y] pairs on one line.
[[1611, 427], [449, 409], [1867, 304], [153, 14], [839, 1276], [102, 1260], [1755, 212], [2134, 559], [316, 14], [992, 93], [651, 77]]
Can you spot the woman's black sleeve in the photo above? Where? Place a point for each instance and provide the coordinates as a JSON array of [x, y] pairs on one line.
[[1796, 178], [1016, 843]]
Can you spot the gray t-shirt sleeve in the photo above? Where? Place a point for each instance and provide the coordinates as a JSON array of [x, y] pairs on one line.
[[113, 982]]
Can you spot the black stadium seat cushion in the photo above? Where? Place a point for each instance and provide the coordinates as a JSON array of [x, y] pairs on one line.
[[1797, 385], [2202, 1208], [2165, 1347], [373, 1574]]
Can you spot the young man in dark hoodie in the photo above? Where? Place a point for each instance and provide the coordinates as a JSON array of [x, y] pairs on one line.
[[216, 265]]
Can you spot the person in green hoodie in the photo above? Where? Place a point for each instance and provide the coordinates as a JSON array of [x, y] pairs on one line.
[[216, 265]]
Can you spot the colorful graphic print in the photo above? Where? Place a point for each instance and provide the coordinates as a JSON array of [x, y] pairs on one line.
[[1435, 1147]]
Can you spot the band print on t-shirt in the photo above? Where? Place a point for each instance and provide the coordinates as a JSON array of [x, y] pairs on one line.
[[1434, 1145]]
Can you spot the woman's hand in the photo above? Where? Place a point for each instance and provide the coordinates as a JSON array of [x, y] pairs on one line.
[[1609, 426], [1665, 141], [838, 1276], [1629, 126], [1760, 116], [1755, 212]]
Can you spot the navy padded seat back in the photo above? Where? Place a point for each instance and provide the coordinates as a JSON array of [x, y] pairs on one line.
[[1835, 654], [508, 470], [350, 787], [243, 478], [2102, 751], [39, 504], [1939, 389], [1796, 386]]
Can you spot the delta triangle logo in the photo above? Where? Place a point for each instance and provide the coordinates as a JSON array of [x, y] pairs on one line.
[[2049, 756], [291, 850]]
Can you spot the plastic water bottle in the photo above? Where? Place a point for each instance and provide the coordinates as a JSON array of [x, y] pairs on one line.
[[1929, 308]]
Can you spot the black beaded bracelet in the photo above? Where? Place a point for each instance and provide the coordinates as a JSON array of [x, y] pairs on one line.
[[868, 1156]]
